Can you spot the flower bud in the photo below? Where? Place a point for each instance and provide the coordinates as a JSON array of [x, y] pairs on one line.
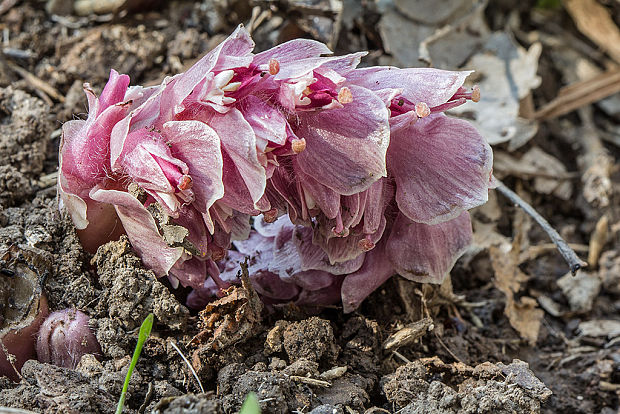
[[65, 337]]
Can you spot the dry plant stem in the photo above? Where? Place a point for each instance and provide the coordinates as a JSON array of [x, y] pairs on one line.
[[581, 93], [176, 348], [574, 262], [596, 164]]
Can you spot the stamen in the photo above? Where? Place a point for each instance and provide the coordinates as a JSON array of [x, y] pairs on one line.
[[274, 67], [448, 105], [222, 78], [339, 229], [185, 182], [474, 95], [345, 96], [231, 87], [366, 244], [422, 110], [298, 145]]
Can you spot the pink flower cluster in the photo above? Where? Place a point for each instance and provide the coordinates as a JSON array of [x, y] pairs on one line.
[[373, 177]]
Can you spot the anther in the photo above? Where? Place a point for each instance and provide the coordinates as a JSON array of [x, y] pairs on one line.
[[475, 93], [422, 109], [231, 87], [185, 182], [274, 66], [217, 253], [345, 96], [298, 145], [366, 244], [222, 78]]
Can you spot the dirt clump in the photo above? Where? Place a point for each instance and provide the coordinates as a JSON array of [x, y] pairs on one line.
[[311, 339], [52, 389], [25, 125], [430, 386]]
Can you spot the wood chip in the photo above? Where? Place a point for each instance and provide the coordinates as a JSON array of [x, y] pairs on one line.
[[311, 381], [600, 327], [598, 240], [409, 334], [333, 373]]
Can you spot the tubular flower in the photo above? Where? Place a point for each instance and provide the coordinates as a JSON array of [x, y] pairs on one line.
[[374, 177]]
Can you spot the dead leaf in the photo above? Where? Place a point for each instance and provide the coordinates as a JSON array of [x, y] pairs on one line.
[[523, 313], [231, 319], [580, 290], [600, 327], [609, 266], [594, 21], [417, 35], [550, 306], [506, 73], [550, 165], [549, 174]]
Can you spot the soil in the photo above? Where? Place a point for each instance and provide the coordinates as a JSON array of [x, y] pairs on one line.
[[468, 346]]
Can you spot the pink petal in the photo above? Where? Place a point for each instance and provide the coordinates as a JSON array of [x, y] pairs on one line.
[[313, 279], [313, 257], [292, 51], [141, 230], [326, 296], [191, 219], [282, 190], [433, 86], [268, 123], [144, 117], [345, 249], [84, 148], [294, 69], [324, 197], [441, 166], [75, 205], [345, 148], [141, 166], [373, 273], [341, 64], [378, 196], [239, 141], [236, 193], [192, 272], [270, 285], [199, 146], [114, 90], [426, 253], [234, 52]]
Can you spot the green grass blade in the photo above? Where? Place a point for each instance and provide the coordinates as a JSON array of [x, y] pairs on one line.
[[145, 331], [250, 405]]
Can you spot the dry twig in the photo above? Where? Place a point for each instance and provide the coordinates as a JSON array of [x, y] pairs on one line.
[[574, 262], [36, 83]]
